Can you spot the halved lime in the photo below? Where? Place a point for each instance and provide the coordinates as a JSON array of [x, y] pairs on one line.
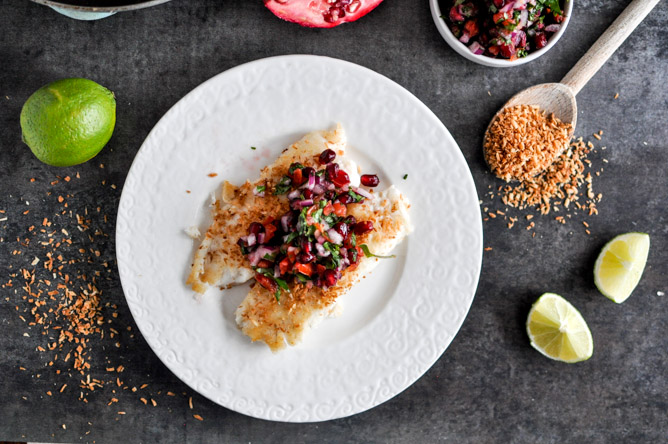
[[620, 265], [558, 330]]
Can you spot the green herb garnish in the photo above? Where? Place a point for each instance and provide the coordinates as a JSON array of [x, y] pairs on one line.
[[260, 188], [356, 197], [367, 253], [253, 148], [283, 186], [554, 6], [405, 176]]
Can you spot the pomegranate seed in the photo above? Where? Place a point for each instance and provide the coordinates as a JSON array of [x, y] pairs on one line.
[[306, 172], [341, 179], [305, 245], [308, 194], [255, 228], [353, 6], [332, 170], [363, 227], [341, 228], [344, 199], [330, 195], [540, 40], [330, 277], [350, 220], [305, 257], [334, 14], [369, 180], [327, 156]]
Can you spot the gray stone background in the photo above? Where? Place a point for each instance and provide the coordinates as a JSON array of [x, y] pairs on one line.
[[490, 385]]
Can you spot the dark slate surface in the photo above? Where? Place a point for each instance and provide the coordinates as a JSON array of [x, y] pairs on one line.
[[490, 385]]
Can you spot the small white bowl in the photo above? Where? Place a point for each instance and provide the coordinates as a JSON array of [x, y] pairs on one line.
[[489, 61]]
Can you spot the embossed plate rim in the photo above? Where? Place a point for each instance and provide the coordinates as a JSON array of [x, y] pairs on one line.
[[401, 343]]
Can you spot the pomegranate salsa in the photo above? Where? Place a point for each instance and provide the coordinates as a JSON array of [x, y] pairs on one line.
[[507, 29], [316, 239]]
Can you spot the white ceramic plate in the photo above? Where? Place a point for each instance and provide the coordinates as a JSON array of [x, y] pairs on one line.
[[396, 323]]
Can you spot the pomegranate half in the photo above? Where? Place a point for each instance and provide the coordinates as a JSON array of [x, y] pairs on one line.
[[321, 13]]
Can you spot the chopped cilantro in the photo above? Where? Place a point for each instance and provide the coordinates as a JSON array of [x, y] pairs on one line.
[[283, 186], [290, 237], [282, 284], [554, 6], [356, 197], [317, 215], [405, 176], [260, 188], [353, 241], [253, 148], [331, 219], [367, 253], [277, 295]]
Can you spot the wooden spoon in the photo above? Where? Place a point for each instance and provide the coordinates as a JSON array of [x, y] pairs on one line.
[[559, 98]]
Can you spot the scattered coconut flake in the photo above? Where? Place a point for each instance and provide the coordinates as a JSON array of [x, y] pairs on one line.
[[193, 232]]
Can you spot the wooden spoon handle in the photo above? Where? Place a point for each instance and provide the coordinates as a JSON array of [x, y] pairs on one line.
[[607, 44]]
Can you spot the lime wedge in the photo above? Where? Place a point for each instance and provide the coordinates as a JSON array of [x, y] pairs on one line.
[[558, 330], [620, 265]]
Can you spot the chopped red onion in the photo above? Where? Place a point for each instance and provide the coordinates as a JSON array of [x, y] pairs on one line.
[[305, 203], [321, 250], [249, 240], [362, 192], [259, 254], [553, 27], [476, 48], [285, 219], [524, 18], [294, 194], [335, 237], [311, 180]]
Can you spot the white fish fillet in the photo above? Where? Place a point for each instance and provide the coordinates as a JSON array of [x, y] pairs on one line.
[[218, 260], [283, 323]]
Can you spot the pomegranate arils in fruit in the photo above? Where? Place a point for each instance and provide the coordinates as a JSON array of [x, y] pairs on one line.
[[327, 156], [321, 13], [369, 180]]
